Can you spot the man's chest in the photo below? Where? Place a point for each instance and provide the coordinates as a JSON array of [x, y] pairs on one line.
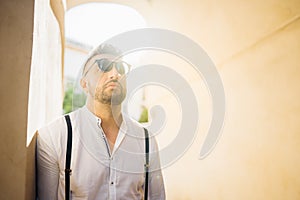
[[98, 173]]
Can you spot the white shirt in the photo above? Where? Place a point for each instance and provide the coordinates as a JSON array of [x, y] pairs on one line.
[[97, 173]]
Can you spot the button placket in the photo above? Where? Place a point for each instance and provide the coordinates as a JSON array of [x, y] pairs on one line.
[[112, 172], [112, 179]]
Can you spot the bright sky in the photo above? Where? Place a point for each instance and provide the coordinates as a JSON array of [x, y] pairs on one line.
[[93, 23]]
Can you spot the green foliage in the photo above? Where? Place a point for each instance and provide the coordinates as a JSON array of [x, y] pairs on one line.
[[144, 115], [72, 100]]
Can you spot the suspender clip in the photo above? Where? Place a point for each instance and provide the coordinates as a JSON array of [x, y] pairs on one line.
[[68, 171]]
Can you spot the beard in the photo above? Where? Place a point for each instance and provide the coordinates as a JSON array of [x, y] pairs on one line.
[[108, 96]]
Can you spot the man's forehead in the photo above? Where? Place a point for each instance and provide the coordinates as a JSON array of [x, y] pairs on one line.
[[108, 56]]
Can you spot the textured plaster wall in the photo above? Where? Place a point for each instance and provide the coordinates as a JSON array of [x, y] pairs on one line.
[[257, 156], [256, 48], [16, 28]]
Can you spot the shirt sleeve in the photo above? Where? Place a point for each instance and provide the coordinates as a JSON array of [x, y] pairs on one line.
[[156, 183], [47, 169]]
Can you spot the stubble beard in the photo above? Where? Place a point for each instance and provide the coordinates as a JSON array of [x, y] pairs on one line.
[[106, 96]]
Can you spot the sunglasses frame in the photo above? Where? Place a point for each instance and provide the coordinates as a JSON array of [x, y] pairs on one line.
[[111, 62]]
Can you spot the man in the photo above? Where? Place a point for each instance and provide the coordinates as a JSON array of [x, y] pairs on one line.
[[108, 148]]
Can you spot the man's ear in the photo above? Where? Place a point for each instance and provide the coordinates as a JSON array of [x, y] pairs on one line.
[[84, 84]]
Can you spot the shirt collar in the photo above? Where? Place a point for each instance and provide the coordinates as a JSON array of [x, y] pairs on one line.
[[91, 116], [94, 118]]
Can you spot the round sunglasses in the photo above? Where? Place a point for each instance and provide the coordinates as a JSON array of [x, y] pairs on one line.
[[105, 65]]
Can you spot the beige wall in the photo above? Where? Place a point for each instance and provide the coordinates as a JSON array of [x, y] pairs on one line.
[[15, 51], [259, 151], [257, 156]]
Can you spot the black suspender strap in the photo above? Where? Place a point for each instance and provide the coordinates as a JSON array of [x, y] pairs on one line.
[[68, 158], [147, 163]]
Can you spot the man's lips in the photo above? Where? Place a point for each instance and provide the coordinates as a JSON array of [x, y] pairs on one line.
[[112, 84]]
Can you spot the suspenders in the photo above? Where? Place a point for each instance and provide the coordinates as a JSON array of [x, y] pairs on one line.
[[68, 160], [146, 164]]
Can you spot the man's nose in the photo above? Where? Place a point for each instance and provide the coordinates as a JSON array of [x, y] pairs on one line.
[[113, 73]]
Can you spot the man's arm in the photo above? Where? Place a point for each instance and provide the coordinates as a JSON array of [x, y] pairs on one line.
[[156, 183], [156, 186], [47, 169]]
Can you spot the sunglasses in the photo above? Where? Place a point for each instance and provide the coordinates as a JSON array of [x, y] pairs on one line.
[[105, 65]]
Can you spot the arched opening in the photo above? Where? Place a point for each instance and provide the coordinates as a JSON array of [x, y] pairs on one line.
[[87, 26]]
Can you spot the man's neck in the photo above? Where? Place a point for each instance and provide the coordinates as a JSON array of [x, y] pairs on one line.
[[109, 115], [111, 119]]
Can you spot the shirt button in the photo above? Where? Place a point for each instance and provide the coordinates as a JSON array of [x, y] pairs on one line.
[[112, 183]]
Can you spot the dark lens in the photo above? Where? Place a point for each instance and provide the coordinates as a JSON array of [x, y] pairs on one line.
[[120, 67], [104, 65]]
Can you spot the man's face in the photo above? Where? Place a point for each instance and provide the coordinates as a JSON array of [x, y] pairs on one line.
[[105, 78]]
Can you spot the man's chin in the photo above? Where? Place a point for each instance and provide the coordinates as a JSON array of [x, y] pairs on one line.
[[117, 99]]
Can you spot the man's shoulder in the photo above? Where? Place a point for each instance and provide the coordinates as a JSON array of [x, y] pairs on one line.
[[57, 125], [53, 128], [132, 123], [137, 128]]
